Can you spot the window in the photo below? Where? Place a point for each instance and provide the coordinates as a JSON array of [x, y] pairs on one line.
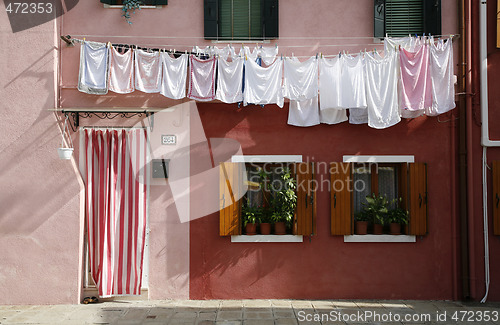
[[241, 19], [351, 182], [145, 2], [236, 177], [398, 18]]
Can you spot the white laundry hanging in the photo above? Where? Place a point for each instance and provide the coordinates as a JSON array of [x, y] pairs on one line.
[[173, 84], [250, 54], [382, 90], [201, 79], [304, 112], [121, 71], [230, 80], [147, 71], [442, 84], [225, 52], [93, 74], [263, 85], [300, 80], [408, 43], [329, 91], [268, 54], [352, 85]]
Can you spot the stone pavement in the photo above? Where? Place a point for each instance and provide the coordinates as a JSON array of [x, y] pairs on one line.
[[256, 312]]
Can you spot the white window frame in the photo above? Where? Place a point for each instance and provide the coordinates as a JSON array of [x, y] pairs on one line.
[[379, 238]]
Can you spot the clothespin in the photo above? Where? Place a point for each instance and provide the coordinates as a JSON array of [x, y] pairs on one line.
[[276, 45], [316, 55], [186, 52], [281, 56], [340, 54], [321, 54]]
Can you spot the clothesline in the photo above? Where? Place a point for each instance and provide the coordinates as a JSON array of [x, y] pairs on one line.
[[414, 77], [236, 42]]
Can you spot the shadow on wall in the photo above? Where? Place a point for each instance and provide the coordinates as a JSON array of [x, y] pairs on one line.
[[36, 185]]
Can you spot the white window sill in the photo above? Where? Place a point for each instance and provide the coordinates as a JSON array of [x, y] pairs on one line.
[[267, 239], [379, 239], [106, 6]]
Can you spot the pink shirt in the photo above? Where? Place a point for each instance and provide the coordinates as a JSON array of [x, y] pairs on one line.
[[416, 92]]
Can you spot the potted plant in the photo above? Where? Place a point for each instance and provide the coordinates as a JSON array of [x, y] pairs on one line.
[[397, 217], [284, 203], [251, 216], [377, 207], [362, 218], [130, 6], [265, 222]]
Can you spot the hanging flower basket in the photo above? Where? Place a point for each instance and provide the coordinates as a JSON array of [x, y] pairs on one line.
[[65, 152]]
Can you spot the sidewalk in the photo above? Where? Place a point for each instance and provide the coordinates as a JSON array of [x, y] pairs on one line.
[[256, 312]]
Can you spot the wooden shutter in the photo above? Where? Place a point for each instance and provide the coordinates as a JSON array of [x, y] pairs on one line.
[[341, 198], [496, 197], [403, 17], [211, 15], [379, 18], [270, 19], [432, 17], [498, 23], [417, 198], [305, 216], [231, 178]]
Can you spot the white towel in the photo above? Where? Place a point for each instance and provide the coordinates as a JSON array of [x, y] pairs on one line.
[[329, 92], [300, 80], [173, 84], [201, 79], [93, 74], [382, 90], [121, 71], [263, 85], [352, 85], [304, 112], [230, 80], [147, 71], [441, 69]]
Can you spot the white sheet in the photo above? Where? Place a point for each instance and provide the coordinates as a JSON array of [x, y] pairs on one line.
[[230, 80], [147, 71], [442, 84], [300, 80], [382, 90], [93, 74], [121, 71], [173, 84], [201, 79], [263, 85], [304, 112]]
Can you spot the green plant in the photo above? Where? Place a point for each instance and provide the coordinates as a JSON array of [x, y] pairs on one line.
[[363, 216], [285, 199], [128, 6], [398, 214], [250, 214], [377, 208]]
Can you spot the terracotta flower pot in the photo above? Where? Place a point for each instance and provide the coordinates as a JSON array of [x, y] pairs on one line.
[[378, 229], [279, 228], [251, 228], [265, 228], [395, 228], [361, 227]]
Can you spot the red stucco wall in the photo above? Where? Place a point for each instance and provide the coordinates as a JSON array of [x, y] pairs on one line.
[[325, 266]]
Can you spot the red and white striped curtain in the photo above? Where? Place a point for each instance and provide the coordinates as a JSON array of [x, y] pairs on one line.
[[116, 197]]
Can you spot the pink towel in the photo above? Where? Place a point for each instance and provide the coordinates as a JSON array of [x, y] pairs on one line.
[[201, 79], [416, 92]]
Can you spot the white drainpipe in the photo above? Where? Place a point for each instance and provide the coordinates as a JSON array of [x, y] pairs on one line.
[[485, 139]]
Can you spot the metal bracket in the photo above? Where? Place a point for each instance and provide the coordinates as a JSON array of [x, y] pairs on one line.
[[76, 115]]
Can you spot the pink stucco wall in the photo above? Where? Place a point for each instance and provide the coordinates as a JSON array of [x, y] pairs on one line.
[[40, 223]]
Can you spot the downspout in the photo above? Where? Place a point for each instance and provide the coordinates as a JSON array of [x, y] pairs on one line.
[[462, 154], [485, 139]]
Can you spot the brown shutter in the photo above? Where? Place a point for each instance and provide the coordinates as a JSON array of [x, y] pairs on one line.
[[496, 197], [341, 198], [305, 216], [417, 198], [231, 176]]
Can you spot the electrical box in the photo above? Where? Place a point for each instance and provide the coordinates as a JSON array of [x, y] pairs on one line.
[[160, 168]]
